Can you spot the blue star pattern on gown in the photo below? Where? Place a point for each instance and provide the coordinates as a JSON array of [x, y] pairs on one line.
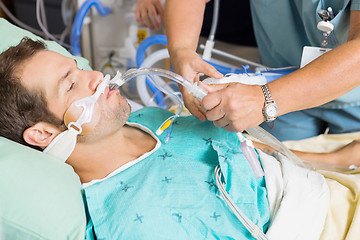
[[138, 218], [166, 179], [164, 156], [207, 140], [178, 216], [215, 216], [126, 187], [212, 184]]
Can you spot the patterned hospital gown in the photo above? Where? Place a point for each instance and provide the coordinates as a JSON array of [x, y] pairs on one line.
[[172, 194]]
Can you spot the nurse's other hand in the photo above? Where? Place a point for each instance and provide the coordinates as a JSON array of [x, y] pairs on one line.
[[193, 104], [189, 64], [234, 106], [150, 13]]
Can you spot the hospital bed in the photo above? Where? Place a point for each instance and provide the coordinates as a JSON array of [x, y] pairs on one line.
[[41, 198]]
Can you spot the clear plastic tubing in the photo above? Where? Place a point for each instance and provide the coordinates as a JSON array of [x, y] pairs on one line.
[[142, 84], [197, 91], [267, 138]]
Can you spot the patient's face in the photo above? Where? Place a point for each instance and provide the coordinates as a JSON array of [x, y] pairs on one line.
[[62, 83]]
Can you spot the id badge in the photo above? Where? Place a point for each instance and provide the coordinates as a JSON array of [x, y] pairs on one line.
[[311, 53]]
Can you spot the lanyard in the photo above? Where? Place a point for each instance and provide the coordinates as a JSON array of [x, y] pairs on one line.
[[325, 25]]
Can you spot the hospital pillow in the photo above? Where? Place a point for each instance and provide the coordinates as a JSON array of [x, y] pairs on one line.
[[11, 35], [40, 197]]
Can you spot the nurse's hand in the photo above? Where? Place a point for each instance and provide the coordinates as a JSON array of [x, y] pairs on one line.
[[189, 64], [234, 106], [192, 103], [150, 13]]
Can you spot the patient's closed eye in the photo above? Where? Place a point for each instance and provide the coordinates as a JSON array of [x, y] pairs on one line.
[[71, 87]]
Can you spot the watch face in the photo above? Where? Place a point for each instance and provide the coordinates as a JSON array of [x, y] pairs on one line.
[[271, 110]]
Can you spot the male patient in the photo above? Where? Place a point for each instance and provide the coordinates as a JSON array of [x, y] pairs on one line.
[[136, 186]]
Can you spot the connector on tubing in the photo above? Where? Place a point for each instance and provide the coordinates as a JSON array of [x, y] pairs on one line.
[[164, 126], [248, 150], [196, 90], [117, 81]]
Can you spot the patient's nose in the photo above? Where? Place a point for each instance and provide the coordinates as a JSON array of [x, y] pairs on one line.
[[95, 79]]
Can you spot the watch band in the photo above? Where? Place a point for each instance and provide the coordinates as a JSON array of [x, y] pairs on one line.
[[267, 94]]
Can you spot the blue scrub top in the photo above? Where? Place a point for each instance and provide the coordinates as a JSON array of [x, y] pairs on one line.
[[283, 27]]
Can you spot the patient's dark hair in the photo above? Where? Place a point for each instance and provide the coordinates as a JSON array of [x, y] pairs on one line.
[[21, 108]]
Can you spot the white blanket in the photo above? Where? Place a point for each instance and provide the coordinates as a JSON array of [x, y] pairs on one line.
[[298, 197]]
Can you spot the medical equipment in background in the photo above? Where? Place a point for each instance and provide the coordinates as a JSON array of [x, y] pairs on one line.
[[50, 16], [105, 41], [110, 40], [157, 98], [113, 39], [79, 21]]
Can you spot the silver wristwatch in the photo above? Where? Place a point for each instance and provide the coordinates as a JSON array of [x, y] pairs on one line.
[[270, 110]]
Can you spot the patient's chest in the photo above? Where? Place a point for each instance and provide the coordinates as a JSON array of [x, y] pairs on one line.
[[172, 194]]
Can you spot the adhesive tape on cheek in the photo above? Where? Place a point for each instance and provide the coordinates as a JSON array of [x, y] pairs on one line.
[[73, 113]]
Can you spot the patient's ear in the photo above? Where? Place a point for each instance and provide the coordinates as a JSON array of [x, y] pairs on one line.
[[41, 134]]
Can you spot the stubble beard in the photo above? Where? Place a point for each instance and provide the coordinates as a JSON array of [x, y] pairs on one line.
[[110, 122]]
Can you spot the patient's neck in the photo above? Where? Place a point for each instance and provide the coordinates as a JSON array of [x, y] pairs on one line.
[[97, 160]]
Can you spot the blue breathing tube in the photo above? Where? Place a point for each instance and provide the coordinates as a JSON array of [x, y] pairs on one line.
[[140, 56], [147, 42], [78, 23]]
